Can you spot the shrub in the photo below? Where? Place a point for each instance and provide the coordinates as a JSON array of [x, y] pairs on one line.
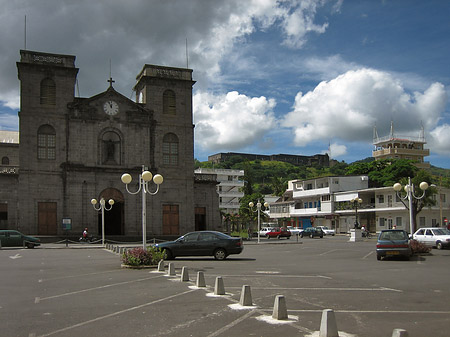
[[140, 257], [418, 247]]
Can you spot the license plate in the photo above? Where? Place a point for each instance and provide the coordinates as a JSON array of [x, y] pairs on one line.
[[393, 252]]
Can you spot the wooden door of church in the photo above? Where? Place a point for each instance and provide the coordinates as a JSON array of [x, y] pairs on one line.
[[171, 222], [47, 224]]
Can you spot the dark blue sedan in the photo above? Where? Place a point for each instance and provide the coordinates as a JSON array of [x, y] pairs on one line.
[[203, 243], [393, 242]]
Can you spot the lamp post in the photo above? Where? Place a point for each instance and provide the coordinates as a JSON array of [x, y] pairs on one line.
[[144, 178], [258, 209], [410, 195], [356, 202], [102, 207]]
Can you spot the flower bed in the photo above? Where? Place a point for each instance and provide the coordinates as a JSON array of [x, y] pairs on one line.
[[139, 257]]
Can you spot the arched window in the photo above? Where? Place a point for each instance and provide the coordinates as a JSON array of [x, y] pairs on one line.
[[110, 148], [169, 106], [170, 149], [46, 142], [48, 91], [5, 161]]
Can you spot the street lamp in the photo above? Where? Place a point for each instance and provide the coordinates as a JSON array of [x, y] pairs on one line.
[[258, 209], [102, 207], [356, 202], [144, 178], [410, 195]]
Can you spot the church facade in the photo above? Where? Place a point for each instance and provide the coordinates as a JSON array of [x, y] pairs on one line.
[[74, 149]]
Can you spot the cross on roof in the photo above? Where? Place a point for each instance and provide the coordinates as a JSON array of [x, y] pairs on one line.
[[111, 81]]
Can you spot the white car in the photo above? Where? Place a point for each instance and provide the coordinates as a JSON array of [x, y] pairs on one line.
[[265, 230], [295, 230], [433, 237], [327, 231]]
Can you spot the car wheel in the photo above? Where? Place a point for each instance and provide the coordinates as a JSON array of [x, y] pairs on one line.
[[268, 236], [301, 235], [288, 237], [311, 235], [220, 254], [378, 257], [278, 237], [168, 254], [439, 245], [29, 245], [321, 236]]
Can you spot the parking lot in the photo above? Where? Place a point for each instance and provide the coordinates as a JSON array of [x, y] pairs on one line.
[[58, 291]]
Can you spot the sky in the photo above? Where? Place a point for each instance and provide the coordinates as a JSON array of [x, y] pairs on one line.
[[298, 77]]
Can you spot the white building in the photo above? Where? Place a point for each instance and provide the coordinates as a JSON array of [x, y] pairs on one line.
[[229, 188], [328, 201]]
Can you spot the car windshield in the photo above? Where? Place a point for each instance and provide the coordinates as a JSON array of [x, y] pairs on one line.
[[324, 227], [393, 236]]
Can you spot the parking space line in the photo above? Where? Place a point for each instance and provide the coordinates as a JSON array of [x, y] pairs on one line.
[[324, 289], [366, 256], [38, 299], [418, 312], [281, 275], [115, 313], [75, 276], [330, 251], [232, 324]]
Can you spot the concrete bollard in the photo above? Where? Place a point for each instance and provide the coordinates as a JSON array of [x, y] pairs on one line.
[[246, 296], [399, 333], [219, 288], [279, 308], [201, 279], [171, 271], [161, 265], [328, 327], [184, 275]]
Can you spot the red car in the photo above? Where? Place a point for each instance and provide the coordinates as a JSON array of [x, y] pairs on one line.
[[279, 233]]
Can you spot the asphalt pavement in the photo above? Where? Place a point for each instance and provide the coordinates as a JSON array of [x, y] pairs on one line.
[[56, 290]]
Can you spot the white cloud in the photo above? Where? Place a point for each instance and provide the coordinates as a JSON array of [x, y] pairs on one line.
[[337, 150], [231, 121], [348, 107], [140, 32], [440, 139]]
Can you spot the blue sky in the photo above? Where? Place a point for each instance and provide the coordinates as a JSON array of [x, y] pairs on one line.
[[298, 77]]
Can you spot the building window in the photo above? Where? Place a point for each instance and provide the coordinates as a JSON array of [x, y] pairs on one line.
[[169, 106], [46, 142], [48, 92], [381, 199], [170, 149], [398, 221], [110, 148], [381, 222], [5, 161], [422, 222]]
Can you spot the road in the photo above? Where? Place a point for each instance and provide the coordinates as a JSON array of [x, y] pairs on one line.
[[85, 292]]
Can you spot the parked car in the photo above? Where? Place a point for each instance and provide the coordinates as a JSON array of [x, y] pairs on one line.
[[433, 237], [312, 232], [265, 230], [393, 242], [203, 243], [279, 232], [327, 231], [12, 238], [295, 230]]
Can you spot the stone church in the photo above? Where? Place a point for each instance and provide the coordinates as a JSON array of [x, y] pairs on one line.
[[74, 149]]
